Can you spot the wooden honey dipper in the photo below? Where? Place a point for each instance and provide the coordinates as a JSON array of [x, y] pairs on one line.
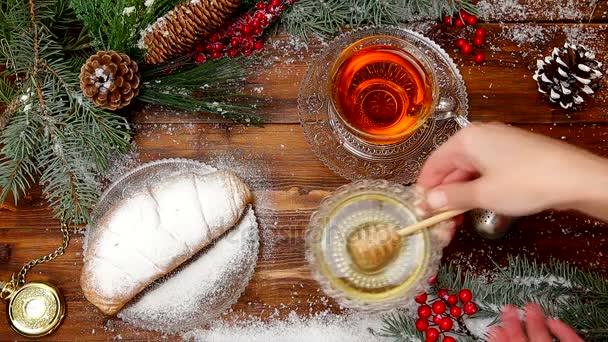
[[375, 245]]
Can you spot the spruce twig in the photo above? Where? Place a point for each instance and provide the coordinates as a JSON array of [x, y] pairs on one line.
[[578, 298], [328, 17], [54, 133]]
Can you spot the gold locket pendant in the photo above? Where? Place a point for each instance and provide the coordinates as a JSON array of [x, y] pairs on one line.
[[36, 309]]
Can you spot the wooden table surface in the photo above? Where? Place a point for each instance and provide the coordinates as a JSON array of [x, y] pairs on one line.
[[289, 181]]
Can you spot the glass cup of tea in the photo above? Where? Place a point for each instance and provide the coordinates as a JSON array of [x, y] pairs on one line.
[[382, 89]]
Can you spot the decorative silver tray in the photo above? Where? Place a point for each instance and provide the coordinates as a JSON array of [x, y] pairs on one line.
[[355, 158], [172, 304]]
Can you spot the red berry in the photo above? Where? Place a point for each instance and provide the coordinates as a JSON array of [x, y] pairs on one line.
[[470, 308], [439, 307], [446, 324], [258, 46], [464, 14], [452, 299], [214, 38], [480, 57], [455, 311], [232, 53], [433, 280], [461, 42], [424, 311], [437, 319], [421, 298], [247, 52], [250, 21], [264, 22], [471, 20], [216, 54], [467, 48], [218, 46], [478, 41], [260, 5], [422, 324], [465, 295], [480, 32], [449, 339], [208, 47], [234, 41], [432, 333], [199, 48], [447, 20], [442, 293], [200, 58], [459, 23], [257, 32], [260, 15], [246, 30], [275, 3]]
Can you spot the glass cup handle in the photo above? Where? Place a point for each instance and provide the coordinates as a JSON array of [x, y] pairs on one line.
[[447, 108]]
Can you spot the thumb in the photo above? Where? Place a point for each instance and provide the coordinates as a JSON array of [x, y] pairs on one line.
[[460, 195]]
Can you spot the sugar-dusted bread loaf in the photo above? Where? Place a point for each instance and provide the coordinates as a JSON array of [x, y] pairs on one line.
[[147, 235]]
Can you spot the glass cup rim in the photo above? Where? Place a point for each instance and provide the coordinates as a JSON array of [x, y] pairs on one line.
[[420, 57]]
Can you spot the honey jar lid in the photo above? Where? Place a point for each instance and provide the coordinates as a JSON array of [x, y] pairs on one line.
[[36, 309]]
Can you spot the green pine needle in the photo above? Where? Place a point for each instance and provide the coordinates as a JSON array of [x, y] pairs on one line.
[[212, 87], [52, 134], [578, 298], [329, 17]]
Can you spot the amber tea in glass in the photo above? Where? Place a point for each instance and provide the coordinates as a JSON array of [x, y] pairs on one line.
[[382, 89]]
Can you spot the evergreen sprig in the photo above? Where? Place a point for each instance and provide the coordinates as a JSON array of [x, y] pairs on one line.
[[116, 24], [53, 135], [577, 297], [212, 87], [329, 17]]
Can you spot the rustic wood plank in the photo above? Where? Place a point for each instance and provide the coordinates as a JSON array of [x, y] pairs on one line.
[[550, 11], [276, 158], [501, 89]]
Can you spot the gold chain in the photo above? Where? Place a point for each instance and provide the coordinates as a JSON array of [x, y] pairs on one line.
[[18, 280]]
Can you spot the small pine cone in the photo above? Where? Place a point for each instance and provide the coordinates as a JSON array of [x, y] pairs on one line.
[[178, 31], [110, 79], [568, 75]]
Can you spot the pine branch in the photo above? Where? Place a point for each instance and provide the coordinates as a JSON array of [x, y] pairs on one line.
[[54, 133], [578, 298], [212, 87], [116, 24], [329, 17]]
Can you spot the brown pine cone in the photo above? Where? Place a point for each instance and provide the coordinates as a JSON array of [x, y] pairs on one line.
[[178, 31], [568, 76], [110, 79]]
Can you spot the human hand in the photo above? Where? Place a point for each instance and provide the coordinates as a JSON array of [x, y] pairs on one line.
[[537, 327], [513, 172]]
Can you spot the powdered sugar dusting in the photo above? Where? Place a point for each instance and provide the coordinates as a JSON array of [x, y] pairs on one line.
[[324, 326], [202, 289]]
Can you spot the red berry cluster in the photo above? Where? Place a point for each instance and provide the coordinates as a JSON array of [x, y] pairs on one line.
[[438, 317], [242, 35], [461, 20]]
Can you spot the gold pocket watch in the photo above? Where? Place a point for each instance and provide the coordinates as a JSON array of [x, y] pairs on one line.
[[35, 309]]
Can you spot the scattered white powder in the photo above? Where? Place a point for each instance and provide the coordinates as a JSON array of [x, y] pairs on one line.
[[103, 80], [479, 326], [502, 9], [148, 3], [202, 289], [128, 10], [120, 164], [325, 327], [550, 280]]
